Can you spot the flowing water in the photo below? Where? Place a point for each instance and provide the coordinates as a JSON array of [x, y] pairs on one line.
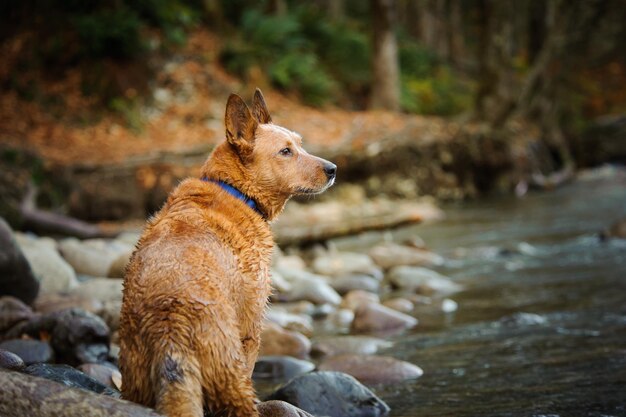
[[541, 327]]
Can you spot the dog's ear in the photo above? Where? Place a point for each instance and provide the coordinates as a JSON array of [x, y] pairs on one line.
[[259, 108], [240, 125]]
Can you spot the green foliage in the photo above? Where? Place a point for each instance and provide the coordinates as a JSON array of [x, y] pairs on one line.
[[130, 110]]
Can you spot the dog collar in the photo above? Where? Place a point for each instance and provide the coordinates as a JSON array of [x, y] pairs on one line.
[[248, 201]]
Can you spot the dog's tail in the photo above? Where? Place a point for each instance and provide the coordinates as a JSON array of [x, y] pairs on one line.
[[179, 385]]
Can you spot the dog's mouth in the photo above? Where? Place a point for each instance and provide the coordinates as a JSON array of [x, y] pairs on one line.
[[313, 191]]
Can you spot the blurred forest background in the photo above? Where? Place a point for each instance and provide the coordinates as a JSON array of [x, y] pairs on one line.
[[104, 102]]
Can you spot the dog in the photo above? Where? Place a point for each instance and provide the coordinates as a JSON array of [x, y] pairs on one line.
[[197, 285]]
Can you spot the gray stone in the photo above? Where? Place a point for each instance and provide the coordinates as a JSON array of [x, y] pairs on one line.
[[10, 361], [347, 283], [372, 369], [96, 257], [70, 377], [331, 394], [296, 322], [339, 345], [16, 277], [30, 350], [101, 372], [280, 409], [103, 289], [356, 298], [422, 280], [280, 367], [276, 341], [378, 318], [345, 263], [389, 255], [12, 312], [312, 289]]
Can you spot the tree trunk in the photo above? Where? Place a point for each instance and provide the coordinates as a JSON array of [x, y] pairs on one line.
[[386, 86]]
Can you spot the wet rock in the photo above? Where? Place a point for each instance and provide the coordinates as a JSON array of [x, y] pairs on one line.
[[48, 303], [339, 345], [289, 263], [347, 283], [355, 299], [524, 319], [70, 377], [54, 274], [279, 283], [75, 335], [616, 231], [372, 369], [315, 290], [110, 313], [449, 306], [346, 263], [103, 289], [103, 373], [331, 394], [399, 304], [276, 341], [389, 255], [422, 280], [10, 361], [322, 311], [16, 277], [378, 318], [12, 311], [295, 322], [30, 350], [276, 408], [341, 318], [298, 307], [96, 257], [280, 367]]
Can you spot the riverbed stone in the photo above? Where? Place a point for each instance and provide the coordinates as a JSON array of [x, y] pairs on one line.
[[12, 312], [52, 271], [345, 263], [275, 408], [30, 350], [276, 341], [48, 303], [16, 276], [96, 257], [346, 283], [388, 255], [331, 394], [101, 372], [422, 280], [371, 370], [279, 283], [103, 289], [340, 345], [10, 361], [280, 367], [313, 289], [298, 307], [378, 318], [340, 319], [399, 304], [356, 298], [296, 322], [70, 377]]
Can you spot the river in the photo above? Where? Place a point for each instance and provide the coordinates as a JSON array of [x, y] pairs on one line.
[[540, 329]]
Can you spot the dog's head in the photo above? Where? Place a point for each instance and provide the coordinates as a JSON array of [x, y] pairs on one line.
[[272, 154]]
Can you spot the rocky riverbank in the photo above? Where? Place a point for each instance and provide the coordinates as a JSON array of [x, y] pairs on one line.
[[325, 329]]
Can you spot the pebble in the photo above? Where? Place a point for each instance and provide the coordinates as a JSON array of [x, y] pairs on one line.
[[275, 408], [10, 361], [101, 372], [313, 289], [422, 280], [279, 283], [16, 276], [372, 369], [346, 283], [103, 289], [355, 299], [331, 394], [289, 262], [449, 306], [378, 318], [70, 377], [345, 263], [30, 350], [96, 257], [280, 367], [399, 304], [276, 341], [340, 319], [298, 307], [48, 303], [339, 345], [388, 255], [12, 312], [296, 322], [53, 272]]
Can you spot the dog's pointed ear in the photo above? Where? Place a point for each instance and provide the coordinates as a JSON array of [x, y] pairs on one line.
[[260, 109], [240, 125]]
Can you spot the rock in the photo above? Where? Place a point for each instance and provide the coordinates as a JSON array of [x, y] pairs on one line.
[[279, 283], [103, 289], [75, 335], [339, 345], [399, 304], [280, 367], [103, 373], [130, 238], [276, 408], [345, 263], [54, 274], [616, 231], [355, 299], [341, 318], [449, 306], [331, 394], [24, 395], [96, 257], [12, 311], [298, 307], [389, 255], [295, 322], [289, 263], [322, 311], [30, 350], [110, 313], [70, 377], [10, 361], [16, 276], [422, 280], [347, 283], [276, 341], [378, 318], [372, 369], [313, 289], [48, 303]]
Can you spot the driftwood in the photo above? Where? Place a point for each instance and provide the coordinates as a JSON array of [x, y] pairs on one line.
[[301, 224], [24, 395], [45, 222]]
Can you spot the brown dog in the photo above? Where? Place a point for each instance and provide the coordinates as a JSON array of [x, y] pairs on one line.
[[196, 288]]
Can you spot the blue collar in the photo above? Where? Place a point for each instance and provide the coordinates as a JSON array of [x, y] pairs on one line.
[[238, 194]]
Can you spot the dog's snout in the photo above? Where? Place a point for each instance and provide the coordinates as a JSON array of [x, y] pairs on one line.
[[330, 169]]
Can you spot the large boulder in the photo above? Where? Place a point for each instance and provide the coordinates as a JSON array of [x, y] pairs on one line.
[[332, 394], [16, 277]]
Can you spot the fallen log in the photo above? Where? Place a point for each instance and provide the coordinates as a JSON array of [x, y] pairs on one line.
[[24, 395]]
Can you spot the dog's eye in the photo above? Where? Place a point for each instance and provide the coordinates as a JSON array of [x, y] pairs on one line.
[[285, 152]]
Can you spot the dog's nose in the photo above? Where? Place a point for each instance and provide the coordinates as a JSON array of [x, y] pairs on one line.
[[330, 169]]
